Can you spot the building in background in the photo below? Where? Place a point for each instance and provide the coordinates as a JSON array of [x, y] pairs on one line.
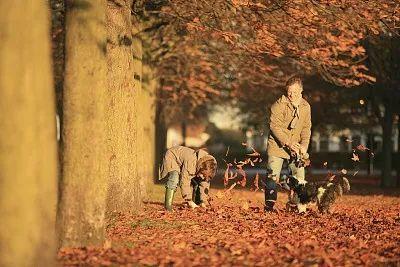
[[196, 135]]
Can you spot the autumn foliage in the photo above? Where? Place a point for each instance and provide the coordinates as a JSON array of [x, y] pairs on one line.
[[253, 43], [209, 52]]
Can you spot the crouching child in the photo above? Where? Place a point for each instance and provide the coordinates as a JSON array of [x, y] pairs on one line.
[[190, 169]]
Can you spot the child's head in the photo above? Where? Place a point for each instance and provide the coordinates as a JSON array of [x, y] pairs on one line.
[[206, 167]]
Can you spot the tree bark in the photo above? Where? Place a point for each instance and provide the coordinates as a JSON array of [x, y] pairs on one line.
[[125, 188], [398, 151], [84, 180], [184, 131], [28, 154], [160, 137], [147, 127]]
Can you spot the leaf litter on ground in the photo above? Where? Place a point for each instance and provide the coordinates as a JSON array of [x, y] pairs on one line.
[[361, 230]]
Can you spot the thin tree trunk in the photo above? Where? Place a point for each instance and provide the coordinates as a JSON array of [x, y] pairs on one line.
[[28, 155], [160, 137], [387, 146], [398, 152], [147, 127], [124, 188], [84, 180], [184, 131]]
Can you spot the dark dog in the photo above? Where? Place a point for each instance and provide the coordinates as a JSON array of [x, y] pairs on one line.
[[303, 193]]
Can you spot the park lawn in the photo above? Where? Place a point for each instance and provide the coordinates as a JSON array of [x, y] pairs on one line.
[[362, 229]]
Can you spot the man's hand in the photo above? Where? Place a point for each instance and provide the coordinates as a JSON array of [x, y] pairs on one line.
[[295, 147], [303, 150]]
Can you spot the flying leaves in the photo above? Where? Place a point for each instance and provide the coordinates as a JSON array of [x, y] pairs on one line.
[[355, 158]]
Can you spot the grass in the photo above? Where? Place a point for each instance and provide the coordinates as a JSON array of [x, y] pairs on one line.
[[156, 192]]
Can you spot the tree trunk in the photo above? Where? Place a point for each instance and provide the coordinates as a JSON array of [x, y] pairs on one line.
[[84, 159], [147, 127], [28, 155], [387, 146], [124, 85], [184, 131], [160, 137], [58, 41], [398, 151]]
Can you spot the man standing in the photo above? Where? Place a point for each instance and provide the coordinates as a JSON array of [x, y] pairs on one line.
[[290, 132]]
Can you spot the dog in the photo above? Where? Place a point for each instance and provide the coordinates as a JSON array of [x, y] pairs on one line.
[[302, 193]]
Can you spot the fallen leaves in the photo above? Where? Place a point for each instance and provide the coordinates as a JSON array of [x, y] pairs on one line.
[[245, 205], [362, 231]]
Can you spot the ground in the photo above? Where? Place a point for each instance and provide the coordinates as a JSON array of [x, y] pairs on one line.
[[362, 229]]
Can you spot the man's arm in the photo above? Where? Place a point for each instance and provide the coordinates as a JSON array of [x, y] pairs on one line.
[[305, 134], [277, 126]]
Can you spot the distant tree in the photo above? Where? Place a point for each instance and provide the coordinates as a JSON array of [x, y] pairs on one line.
[[84, 160], [384, 61], [126, 187]]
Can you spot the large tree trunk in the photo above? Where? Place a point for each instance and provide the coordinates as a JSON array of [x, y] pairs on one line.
[[124, 86], [84, 179], [28, 156], [387, 146]]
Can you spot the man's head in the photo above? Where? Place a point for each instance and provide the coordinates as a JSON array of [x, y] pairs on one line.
[[207, 167], [294, 89]]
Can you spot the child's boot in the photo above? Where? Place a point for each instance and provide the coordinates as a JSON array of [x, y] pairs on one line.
[[169, 198]]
